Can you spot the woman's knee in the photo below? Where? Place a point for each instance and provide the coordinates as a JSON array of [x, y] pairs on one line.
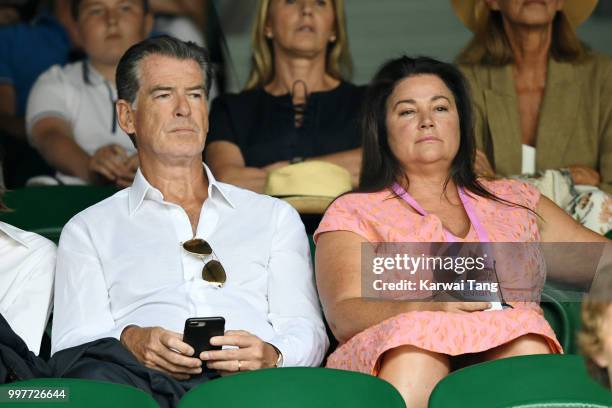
[[415, 357], [524, 345]]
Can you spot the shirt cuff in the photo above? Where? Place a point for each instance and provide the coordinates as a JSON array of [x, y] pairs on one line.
[[284, 346]]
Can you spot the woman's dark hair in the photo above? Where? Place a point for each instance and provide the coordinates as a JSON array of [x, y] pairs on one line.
[[379, 167]]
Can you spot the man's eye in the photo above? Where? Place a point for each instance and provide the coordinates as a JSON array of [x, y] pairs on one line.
[[196, 95], [162, 96]]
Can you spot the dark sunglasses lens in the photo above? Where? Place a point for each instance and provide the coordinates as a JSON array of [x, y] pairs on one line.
[[197, 246], [213, 272]]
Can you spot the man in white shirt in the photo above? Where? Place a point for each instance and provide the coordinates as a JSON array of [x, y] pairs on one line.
[[70, 115], [27, 265], [123, 273]]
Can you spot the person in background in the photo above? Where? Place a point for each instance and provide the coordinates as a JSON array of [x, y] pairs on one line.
[[595, 336], [49, 33], [27, 267], [70, 116], [418, 184], [297, 104], [543, 101]]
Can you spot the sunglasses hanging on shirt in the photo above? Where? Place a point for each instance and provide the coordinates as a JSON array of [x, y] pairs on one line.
[[213, 271]]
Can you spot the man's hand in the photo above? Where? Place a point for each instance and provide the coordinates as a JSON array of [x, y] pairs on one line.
[[252, 353], [110, 162], [161, 350], [132, 164], [584, 175], [482, 167]]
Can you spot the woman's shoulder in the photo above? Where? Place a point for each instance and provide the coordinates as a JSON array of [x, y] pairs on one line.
[[358, 201], [596, 67], [513, 190]]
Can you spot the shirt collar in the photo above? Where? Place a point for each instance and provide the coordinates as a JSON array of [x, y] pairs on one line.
[[14, 233], [141, 190], [90, 75]]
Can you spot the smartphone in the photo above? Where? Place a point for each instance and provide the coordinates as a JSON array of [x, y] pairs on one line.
[[199, 330]]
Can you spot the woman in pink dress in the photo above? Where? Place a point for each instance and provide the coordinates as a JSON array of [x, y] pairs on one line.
[[418, 184]]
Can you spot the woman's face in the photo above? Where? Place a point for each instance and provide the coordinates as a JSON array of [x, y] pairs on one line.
[[527, 12], [422, 122], [301, 27]]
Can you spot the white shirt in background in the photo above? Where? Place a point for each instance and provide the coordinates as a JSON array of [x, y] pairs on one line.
[[529, 160], [78, 94], [121, 262], [27, 264]]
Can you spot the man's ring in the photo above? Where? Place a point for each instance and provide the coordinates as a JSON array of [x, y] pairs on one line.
[[239, 365]]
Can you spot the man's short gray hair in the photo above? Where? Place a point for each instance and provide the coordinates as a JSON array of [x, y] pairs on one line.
[[128, 70]]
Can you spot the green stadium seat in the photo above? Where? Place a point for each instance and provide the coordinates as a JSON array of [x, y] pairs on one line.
[[80, 394], [45, 210], [296, 387], [551, 381]]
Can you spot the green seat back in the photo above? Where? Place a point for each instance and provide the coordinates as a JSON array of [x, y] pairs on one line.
[[296, 387], [525, 381], [562, 311], [81, 394], [45, 210]]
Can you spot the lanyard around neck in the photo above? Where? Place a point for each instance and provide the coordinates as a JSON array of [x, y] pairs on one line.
[[482, 234]]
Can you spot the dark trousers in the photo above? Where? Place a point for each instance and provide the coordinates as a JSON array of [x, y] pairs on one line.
[[107, 360], [17, 362]]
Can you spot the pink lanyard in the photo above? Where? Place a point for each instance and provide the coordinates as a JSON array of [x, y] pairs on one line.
[[480, 231]]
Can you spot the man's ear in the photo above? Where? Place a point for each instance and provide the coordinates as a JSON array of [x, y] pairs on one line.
[[125, 114]]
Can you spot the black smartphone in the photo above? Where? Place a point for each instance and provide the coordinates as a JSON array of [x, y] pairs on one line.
[[199, 330]]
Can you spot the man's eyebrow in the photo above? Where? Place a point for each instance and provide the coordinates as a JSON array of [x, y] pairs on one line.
[[171, 88], [160, 88]]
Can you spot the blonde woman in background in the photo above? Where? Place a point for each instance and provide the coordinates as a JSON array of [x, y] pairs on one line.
[[543, 101], [595, 336], [298, 103]]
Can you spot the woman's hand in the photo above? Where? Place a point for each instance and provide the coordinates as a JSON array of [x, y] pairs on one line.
[[461, 307], [584, 175]]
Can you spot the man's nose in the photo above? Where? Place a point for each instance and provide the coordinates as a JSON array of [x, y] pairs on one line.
[[182, 106]]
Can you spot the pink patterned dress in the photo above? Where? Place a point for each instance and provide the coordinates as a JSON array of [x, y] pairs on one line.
[[381, 217]]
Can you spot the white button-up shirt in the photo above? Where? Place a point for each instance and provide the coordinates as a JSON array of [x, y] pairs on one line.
[[121, 262], [27, 263]]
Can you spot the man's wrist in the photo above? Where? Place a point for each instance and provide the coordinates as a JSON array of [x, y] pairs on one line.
[[125, 330], [279, 357]]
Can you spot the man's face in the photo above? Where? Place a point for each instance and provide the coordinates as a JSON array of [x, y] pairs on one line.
[[109, 27], [171, 112]]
